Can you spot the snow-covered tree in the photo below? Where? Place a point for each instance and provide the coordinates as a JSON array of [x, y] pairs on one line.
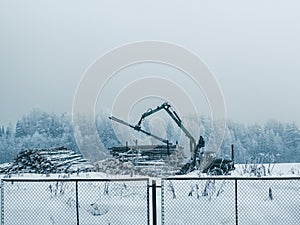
[[38, 128]]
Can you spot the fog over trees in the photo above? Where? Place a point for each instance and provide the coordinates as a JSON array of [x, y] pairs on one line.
[[273, 141]]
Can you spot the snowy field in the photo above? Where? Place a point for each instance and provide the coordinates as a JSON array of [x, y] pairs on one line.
[[126, 202]]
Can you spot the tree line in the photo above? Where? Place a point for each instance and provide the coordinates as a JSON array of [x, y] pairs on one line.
[[273, 141]]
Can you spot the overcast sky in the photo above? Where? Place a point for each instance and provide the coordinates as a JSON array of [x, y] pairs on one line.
[[252, 47]]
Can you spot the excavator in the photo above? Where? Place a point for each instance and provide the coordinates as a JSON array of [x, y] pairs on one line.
[[206, 162]]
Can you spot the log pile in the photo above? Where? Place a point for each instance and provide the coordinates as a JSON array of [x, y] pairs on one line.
[[46, 161], [115, 166]]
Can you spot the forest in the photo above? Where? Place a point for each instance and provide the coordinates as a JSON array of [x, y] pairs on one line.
[[273, 141]]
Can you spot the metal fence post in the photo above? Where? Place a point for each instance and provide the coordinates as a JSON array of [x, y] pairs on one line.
[[154, 213], [148, 204], [77, 204], [162, 203], [236, 203], [2, 202]]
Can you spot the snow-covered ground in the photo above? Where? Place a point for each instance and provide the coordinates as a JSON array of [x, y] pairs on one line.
[[126, 202], [277, 170]]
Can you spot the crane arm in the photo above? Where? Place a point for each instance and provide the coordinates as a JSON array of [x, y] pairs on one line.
[[138, 129], [150, 112], [166, 106]]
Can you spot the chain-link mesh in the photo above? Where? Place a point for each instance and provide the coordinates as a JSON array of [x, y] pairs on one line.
[[184, 201], [113, 202], [231, 201], [269, 201], [38, 203], [75, 202], [198, 201]]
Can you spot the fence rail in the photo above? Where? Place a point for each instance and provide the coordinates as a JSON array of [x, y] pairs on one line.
[[180, 200]]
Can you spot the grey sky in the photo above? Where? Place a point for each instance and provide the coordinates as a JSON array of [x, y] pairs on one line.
[[252, 47]]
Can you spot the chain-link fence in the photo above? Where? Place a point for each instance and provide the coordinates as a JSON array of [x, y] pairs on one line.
[[204, 200], [269, 201], [231, 201], [73, 202]]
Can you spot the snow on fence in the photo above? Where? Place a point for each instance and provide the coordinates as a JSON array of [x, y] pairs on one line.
[[217, 200], [70, 201]]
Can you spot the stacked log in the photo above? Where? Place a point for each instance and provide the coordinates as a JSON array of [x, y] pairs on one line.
[[46, 161]]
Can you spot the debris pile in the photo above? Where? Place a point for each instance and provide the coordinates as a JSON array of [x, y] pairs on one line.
[[115, 166]]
